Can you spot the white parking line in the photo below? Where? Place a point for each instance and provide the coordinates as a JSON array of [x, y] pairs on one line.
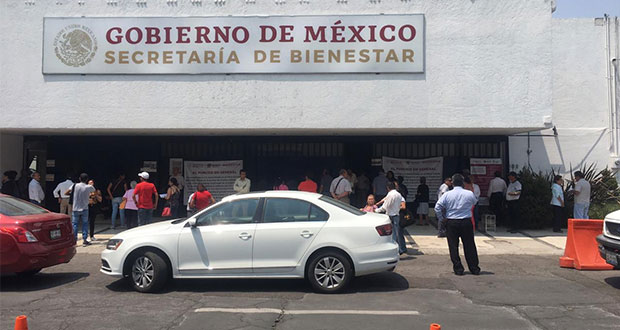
[[302, 312]]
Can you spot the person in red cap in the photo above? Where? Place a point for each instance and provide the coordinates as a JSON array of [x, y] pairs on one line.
[[143, 197]]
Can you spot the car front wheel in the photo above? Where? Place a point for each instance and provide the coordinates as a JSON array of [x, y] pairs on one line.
[[329, 272], [149, 272]]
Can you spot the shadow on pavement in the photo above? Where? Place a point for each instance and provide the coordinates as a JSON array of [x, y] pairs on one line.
[[613, 281], [41, 281], [381, 282]]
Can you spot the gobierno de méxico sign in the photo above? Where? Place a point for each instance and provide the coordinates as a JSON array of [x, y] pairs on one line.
[[252, 44]]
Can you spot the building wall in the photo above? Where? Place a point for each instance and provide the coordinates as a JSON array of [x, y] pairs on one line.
[[580, 103], [488, 71], [11, 152]]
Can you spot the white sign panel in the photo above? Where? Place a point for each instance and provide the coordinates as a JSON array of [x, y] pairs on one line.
[[202, 45], [218, 177], [412, 169]]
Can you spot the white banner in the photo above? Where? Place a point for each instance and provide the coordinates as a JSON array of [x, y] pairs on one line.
[[242, 44], [218, 177], [412, 169]]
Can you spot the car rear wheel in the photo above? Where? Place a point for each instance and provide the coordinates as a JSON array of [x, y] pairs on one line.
[[149, 272], [329, 272]]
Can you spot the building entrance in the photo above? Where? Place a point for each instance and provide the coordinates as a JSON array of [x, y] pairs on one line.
[[265, 158]]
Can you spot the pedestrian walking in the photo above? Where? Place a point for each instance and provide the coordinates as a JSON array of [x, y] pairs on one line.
[[307, 185], [340, 188], [443, 188], [173, 197], [130, 208], [422, 197], [392, 206], [513, 193], [116, 190], [143, 196], [496, 193], [582, 197], [557, 202], [63, 199], [35, 192], [325, 182], [9, 185], [378, 185], [94, 208], [202, 198], [81, 196], [455, 207], [242, 183]]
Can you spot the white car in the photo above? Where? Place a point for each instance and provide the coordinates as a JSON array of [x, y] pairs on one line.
[[273, 234]]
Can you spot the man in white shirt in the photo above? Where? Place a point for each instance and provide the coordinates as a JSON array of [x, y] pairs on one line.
[[455, 207], [176, 173], [242, 184], [496, 193], [513, 193], [35, 192], [340, 188], [391, 206], [582, 197], [63, 199]]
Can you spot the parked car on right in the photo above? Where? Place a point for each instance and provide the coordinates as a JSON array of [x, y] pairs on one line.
[[609, 240]]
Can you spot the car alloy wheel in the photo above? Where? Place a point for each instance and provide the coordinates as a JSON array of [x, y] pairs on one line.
[[149, 271], [142, 272], [329, 273]]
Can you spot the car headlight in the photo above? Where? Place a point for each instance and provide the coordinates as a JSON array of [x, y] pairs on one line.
[[113, 244]]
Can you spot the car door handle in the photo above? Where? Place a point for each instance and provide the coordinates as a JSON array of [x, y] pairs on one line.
[[306, 234], [245, 236]]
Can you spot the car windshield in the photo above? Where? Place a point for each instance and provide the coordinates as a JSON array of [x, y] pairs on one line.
[[12, 207], [344, 206]]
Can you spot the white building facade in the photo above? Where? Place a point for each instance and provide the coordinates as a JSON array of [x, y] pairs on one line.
[[487, 73]]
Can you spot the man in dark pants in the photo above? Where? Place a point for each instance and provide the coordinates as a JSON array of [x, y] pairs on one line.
[[513, 193], [456, 207], [496, 193]]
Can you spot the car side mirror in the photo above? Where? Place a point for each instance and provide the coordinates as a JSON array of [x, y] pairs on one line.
[[192, 222]]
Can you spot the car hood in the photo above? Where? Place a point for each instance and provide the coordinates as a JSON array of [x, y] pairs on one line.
[[151, 229]]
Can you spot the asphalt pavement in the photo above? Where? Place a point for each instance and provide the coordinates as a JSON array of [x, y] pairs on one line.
[[514, 291]]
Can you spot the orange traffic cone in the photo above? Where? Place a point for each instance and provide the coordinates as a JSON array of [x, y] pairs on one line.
[[21, 323], [435, 326]]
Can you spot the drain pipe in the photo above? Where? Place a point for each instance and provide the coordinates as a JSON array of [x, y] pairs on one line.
[[612, 139], [615, 91]]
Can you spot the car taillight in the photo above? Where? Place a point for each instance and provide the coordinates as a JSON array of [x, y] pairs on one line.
[[21, 234], [384, 230]]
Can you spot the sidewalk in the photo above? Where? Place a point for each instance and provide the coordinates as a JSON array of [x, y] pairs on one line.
[[422, 240]]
